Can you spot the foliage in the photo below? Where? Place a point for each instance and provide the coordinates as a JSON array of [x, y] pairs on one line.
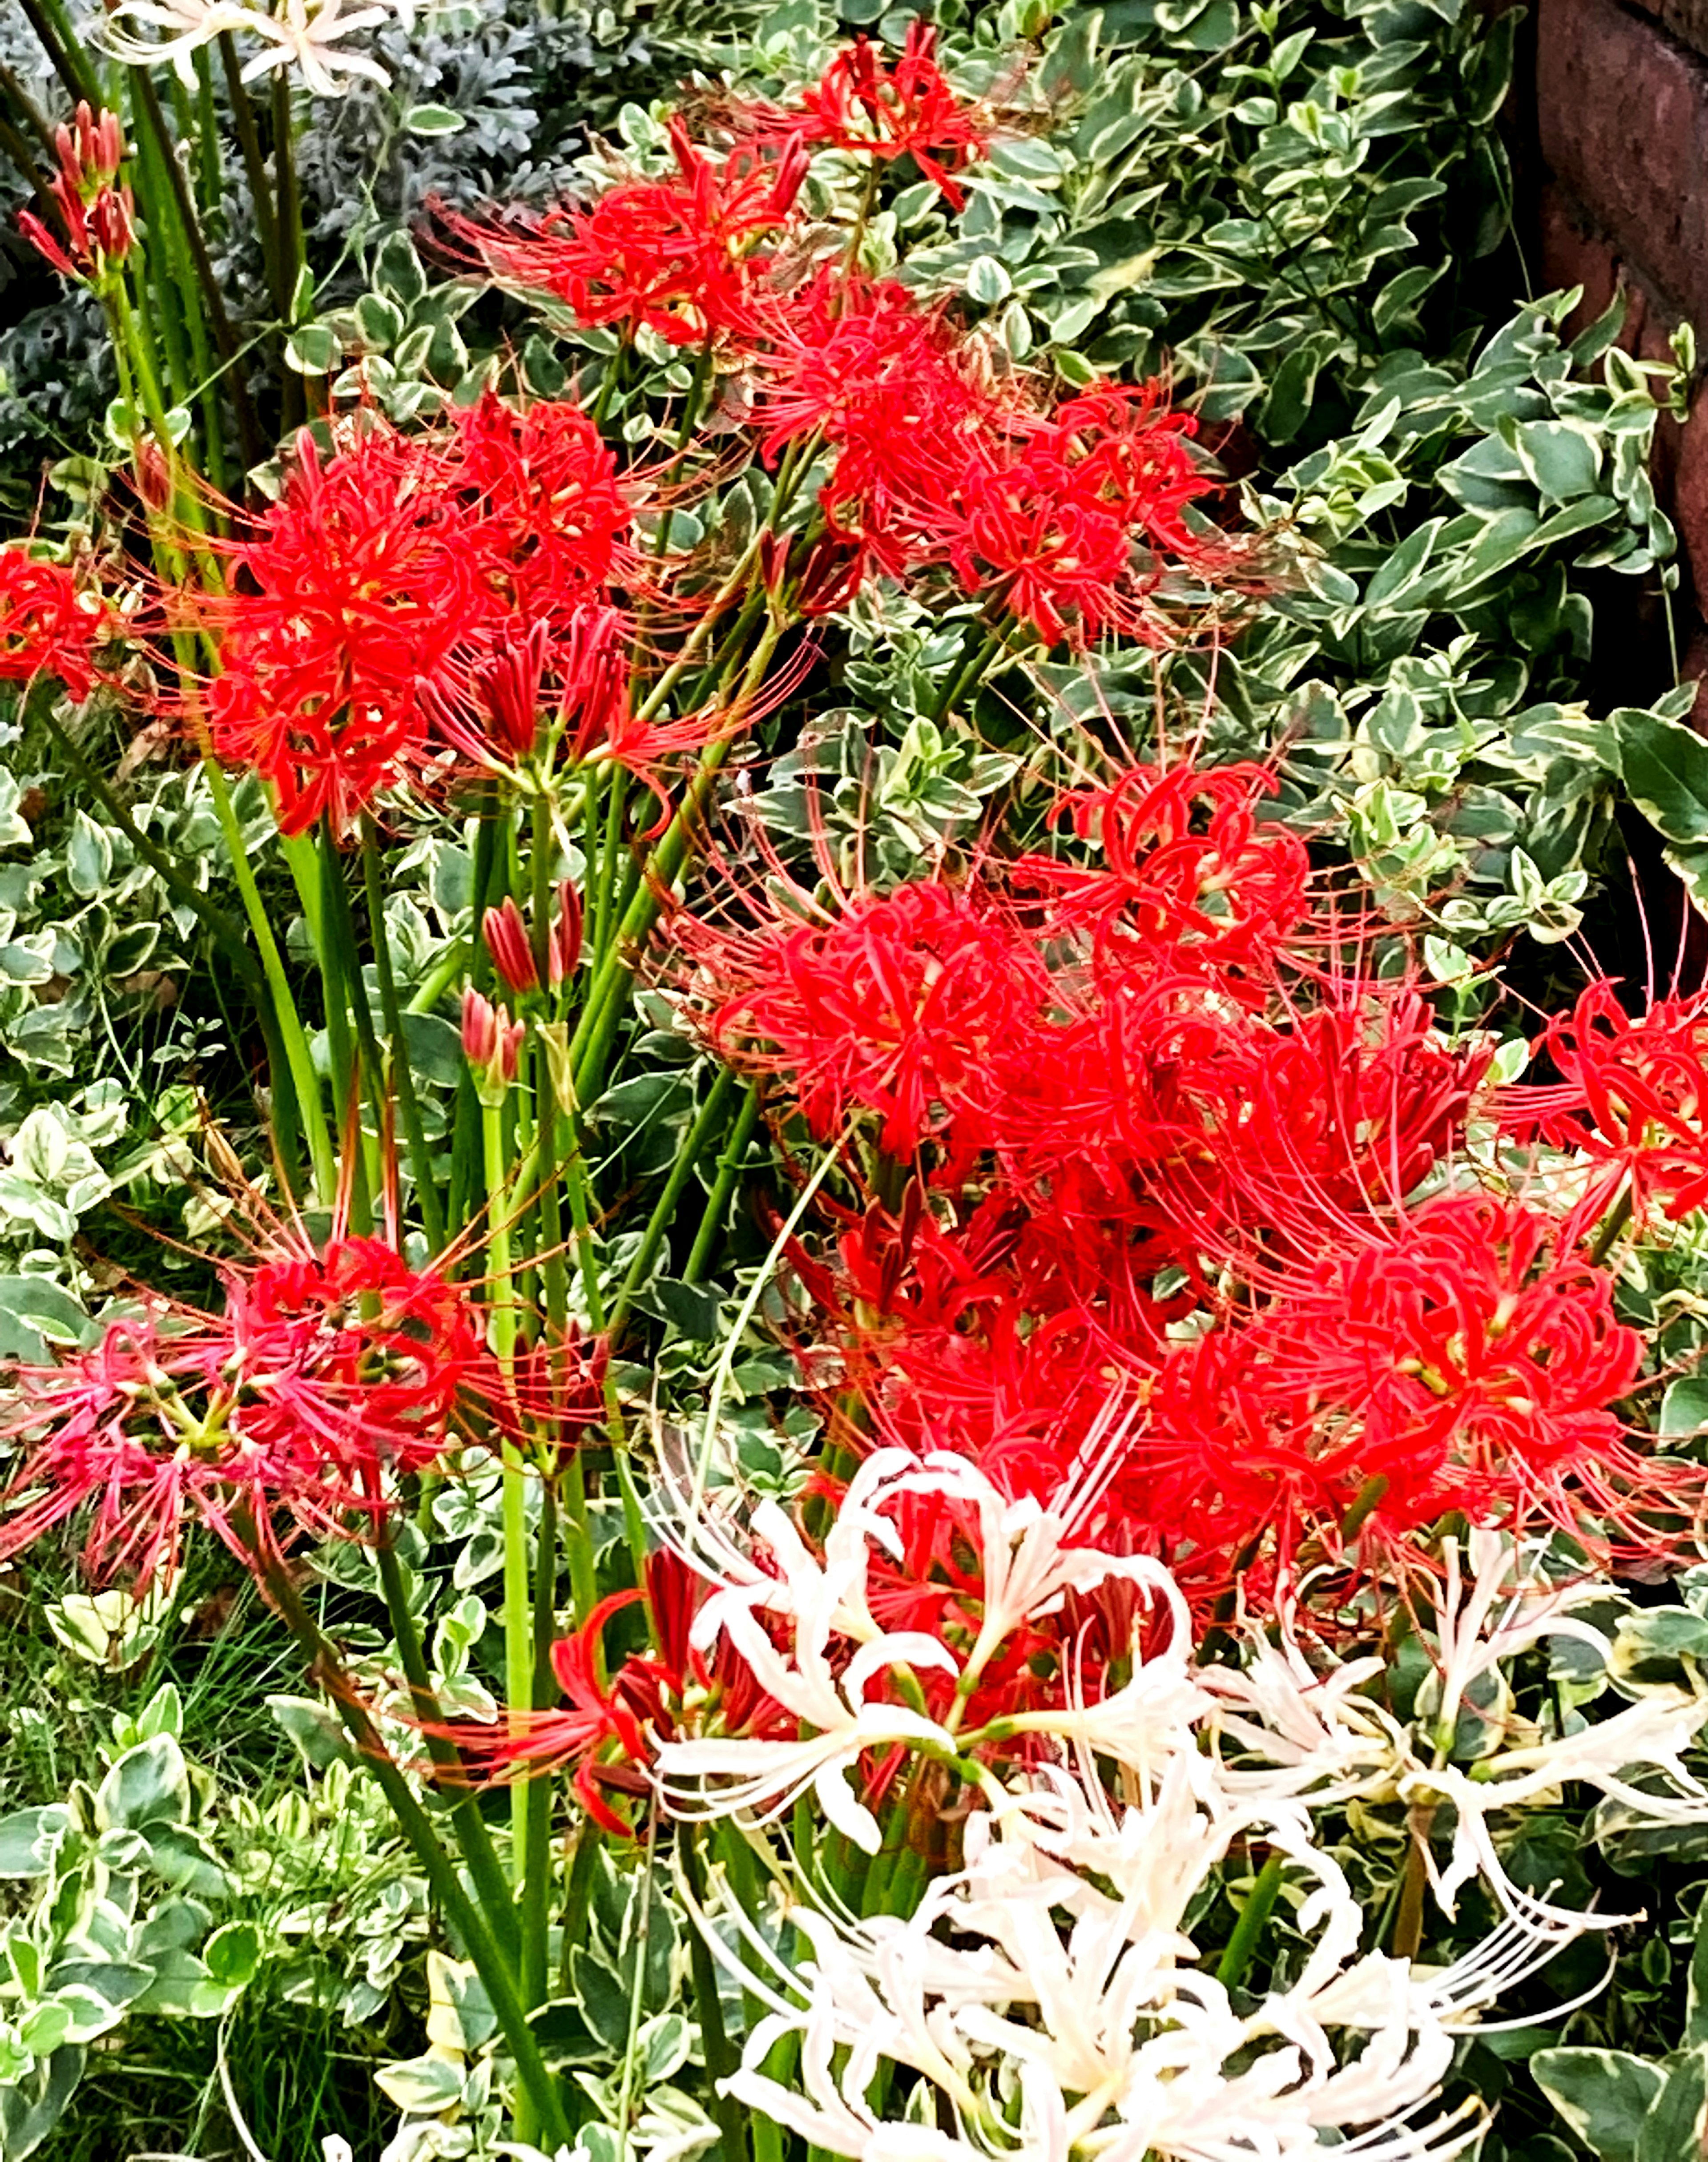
[[240, 1042]]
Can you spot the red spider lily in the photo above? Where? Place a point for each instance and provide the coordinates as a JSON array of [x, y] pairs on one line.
[[388, 583], [328, 1371], [49, 626], [893, 1008], [1056, 529], [554, 1389], [595, 1718], [99, 217], [863, 105], [1184, 867], [492, 1045], [1463, 1362], [606, 1728], [550, 515], [895, 392], [356, 593], [564, 940], [1224, 1137], [507, 941], [1634, 1099], [678, 255]]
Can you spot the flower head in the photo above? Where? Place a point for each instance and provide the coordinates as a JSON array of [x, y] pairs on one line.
[[872, 107], [1074, 530], [330, 1370], [49, 625], [1632, 1096], [680, 256], [893, 1008]]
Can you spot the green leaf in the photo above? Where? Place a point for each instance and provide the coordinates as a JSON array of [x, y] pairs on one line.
[[602, 1996], [1664, 766], [988, 281], [232, 1953], [1673, 2130], [379, 321], [397, 272], [46, 1310], [319, 1738], [1696, 1989], [148, 1785], [1603, 2095], [88, 856], [1561, 458], [22, 1832], [1684, 1409], [435, 1048], [433, 120], [313, 349]]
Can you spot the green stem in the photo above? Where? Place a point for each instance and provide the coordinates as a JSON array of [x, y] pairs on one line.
[[722, 2057], [305, 1080], [460, 1911], [339, 923], [401, 1074], [537, 1878], [290, 232], [664, 1210], [1617, 1217], [255, 166], [1254, 1920], [191, 249], [518, 1611], [717, 1201], [490, 1887]]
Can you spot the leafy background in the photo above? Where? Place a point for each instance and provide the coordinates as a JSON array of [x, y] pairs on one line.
[[1302, 213]]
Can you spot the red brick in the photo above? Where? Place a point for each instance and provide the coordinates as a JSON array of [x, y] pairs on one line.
[[1686, 20], [1574, 253], [1622, 112]]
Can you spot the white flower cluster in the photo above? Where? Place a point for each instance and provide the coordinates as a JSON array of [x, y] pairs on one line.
[[307, 35], [1047, 2000]]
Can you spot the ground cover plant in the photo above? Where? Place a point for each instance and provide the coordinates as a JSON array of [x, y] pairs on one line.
[[853, 1208]]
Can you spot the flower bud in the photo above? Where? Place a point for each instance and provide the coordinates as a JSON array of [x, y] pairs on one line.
[[492, 1047], [563, 948], [512, 688], [507, 941]]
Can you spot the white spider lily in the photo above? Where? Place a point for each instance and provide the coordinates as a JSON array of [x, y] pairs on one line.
[[1023, 1978], [759, 1779], [305, 34], [1298, 1733], [189, 25]]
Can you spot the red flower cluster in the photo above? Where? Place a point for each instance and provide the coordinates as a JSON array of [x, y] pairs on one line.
[[328, 1371], [47, 625], [1069, 515], [944, 461], [396, 584], [679, 256], [869, 108], [1634, 1097], [1161, 1143]]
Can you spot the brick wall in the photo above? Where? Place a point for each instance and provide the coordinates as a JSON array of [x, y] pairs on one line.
[[1622, 121]]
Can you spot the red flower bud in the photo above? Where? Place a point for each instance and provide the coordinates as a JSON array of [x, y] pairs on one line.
[[492, 1047], [512, 688], [480, 1028], [563, 948], [507, 941]]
